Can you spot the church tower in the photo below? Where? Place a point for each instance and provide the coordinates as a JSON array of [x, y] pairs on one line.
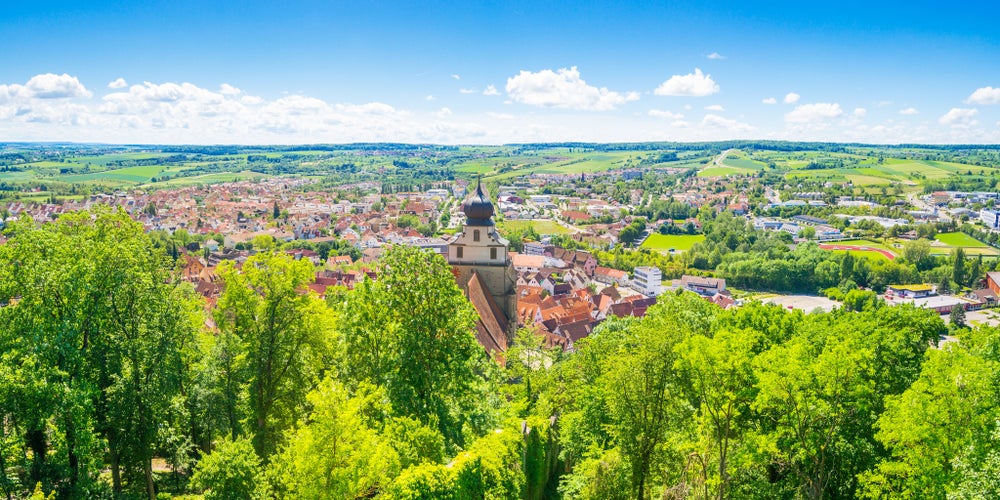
[[484, 271]]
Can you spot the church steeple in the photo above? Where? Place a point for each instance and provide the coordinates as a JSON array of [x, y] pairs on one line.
[[478, 209], [484, 271]]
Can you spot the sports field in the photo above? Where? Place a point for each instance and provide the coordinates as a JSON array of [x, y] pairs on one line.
[[868, 252], [678, 242]]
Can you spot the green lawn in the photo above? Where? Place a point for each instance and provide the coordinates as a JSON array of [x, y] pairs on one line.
[[870, 254], [678, 242], [540, 226], [960, 240]]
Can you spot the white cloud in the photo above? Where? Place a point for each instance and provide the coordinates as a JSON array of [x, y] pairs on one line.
[[563, 89], [227, 89], [665, 114], [716, 55], [429, 97], [860, 112], [984, 95], [371, 108], [468, 91], [694, 84], [791, 98], [184, 113], [443, 112], [117, 83], [455, 76], [959, 117], [718, 122], [47, 86], [491, 90], [715, 107], [811, 113], [769, 100], [909, 111]]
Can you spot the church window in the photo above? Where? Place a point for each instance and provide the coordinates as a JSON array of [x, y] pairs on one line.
[[458, 252], [493, 253], [475, 235]]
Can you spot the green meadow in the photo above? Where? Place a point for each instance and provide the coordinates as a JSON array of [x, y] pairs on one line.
[[678, 242]]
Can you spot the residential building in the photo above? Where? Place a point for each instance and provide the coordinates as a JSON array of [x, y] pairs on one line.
[[647, 280]]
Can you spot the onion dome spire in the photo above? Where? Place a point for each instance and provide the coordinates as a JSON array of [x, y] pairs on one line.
[[478, 209]]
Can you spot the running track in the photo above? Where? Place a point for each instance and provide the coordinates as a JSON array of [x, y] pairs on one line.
[[887, 253]]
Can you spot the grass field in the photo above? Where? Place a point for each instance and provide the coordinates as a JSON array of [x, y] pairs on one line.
[[209, 179], [678, 242], [870, 254], [128, 174], [960, 240], [540, 226]]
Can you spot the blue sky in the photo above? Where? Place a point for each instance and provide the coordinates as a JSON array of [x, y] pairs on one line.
[[495, 72]]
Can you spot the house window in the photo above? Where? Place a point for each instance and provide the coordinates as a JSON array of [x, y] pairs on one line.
[[475, 235], [493, 253], [458, 252]]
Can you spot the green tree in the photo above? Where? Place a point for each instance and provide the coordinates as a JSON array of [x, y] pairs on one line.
[[410, 332], [958, 270], [932, 424], [286, 339], [722, 382], [957, 316], [338, 451], [806, 399], [917, 251], [101, 323], [628, 235], [231, 472]]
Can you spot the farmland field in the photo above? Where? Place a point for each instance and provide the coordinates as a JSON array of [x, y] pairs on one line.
[[128, 174], [678, 242], [210, 179], [723, 171]]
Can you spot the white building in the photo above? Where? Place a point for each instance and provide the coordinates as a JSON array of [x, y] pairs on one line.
[[647, 280], [990, 217], [534, 248]]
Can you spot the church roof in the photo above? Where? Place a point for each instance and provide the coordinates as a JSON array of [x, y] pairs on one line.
[[492, 325], [478, 209]]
